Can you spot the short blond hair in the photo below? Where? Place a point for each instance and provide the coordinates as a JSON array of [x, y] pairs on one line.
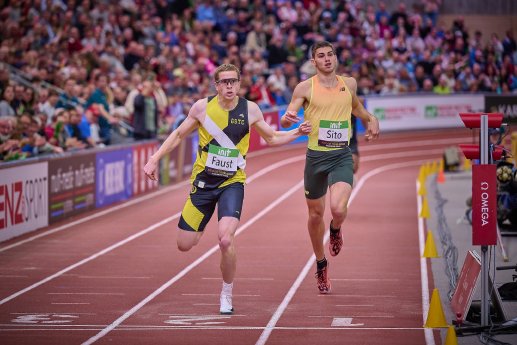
[[224, 68]]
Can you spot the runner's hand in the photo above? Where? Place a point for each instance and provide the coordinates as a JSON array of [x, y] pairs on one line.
[[290, 117], [372, 132], [150, 170], [305, 128]]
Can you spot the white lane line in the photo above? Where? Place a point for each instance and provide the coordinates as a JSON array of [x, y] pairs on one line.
[[87, 293], [428, 332], [310, 263], [360, 296], [355, 316], [71, 303], [191, 266], [219, 278], [366, 279], [97, 215], [103, 277], [213, 294]]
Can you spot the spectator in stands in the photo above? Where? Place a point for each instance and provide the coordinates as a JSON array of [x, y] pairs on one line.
[[260, 94], [443, 87], [79, 128], [6, 104], [146, 114], [9, 146], [67, 99], [32, 142], [100, 98]]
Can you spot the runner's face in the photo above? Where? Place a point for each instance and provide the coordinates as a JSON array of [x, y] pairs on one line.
[[228, 84], [325, 60]]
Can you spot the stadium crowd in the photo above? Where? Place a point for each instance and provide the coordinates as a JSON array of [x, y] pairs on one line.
[[72, 72]]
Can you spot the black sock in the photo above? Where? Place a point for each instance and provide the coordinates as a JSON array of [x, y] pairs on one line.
[[321, 264], [332, 229]]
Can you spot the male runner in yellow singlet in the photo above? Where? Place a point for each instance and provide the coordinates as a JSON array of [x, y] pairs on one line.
[[328, 101], [218, 177]]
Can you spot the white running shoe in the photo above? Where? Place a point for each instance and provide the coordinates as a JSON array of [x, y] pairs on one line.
[[226, 304]]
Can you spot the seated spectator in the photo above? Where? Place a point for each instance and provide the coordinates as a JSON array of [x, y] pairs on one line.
[[260, 94], [443, 86], [6, 104], [9, 146], [79, 128], [33, 143]]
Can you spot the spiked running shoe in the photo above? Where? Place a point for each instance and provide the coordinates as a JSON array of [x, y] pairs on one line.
[[336, 242], [323, 280], [226, 305]]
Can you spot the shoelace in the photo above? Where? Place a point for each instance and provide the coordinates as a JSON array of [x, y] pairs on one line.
[[321, 276]]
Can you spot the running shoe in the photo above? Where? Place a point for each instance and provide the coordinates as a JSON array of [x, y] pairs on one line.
[[336, 242], [323, 280], [226, 304]]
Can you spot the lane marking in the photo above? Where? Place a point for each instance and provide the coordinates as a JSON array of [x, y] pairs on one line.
[[367, 279], [355, 316], [187, 269], [219, 278], [360, 296], [310, 262], [71, 303], [87, 293], [103, 277], [428, 332], [344, 322], [214, 294]]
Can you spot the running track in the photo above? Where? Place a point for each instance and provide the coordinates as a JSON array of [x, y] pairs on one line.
[[116, 277]]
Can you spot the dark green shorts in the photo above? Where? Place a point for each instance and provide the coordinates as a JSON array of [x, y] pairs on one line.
[[201, 204], [324, 168]]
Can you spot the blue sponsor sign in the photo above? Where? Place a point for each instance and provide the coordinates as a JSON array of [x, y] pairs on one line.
[[114, 176]]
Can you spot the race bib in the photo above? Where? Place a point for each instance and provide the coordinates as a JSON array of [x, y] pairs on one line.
[[221, 161], [333, 134]]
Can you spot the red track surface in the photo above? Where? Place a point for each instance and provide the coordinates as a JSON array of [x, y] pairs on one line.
[[118, 278]]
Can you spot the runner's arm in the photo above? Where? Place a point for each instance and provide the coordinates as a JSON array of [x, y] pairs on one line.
[[271, 136], [173, 140], [372, 128], [291, 115]]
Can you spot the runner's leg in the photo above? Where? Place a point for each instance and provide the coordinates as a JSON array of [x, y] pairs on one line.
[[316, 225]]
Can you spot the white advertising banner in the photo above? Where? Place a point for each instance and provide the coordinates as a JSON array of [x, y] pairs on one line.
[[23, 199], [421, 112]]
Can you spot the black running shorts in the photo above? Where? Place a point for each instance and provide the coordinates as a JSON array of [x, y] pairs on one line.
[[201, 204], [324, 168]]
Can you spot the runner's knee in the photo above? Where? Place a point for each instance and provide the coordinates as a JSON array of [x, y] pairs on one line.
[[338, 211], [315, 215], [185, 247], [225, 242]]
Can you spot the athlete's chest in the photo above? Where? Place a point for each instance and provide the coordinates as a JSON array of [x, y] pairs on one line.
[[330, 98]]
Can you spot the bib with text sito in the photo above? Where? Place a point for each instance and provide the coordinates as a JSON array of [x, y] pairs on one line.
[[333, 134], [221, 161]]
